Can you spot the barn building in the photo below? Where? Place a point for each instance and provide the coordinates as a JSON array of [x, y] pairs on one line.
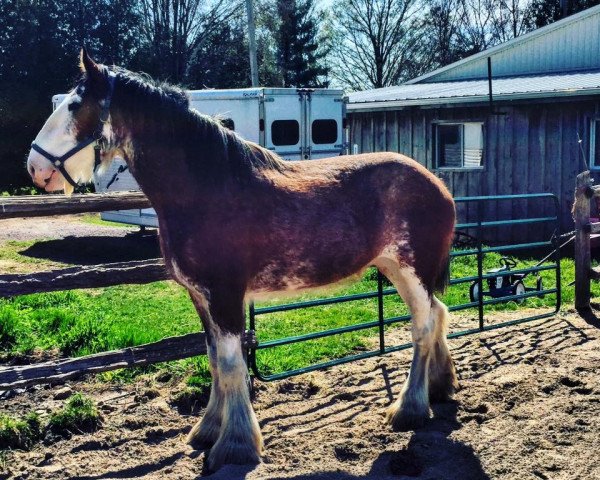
[[546, 94]]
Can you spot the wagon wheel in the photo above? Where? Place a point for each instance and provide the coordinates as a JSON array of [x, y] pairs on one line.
[[539, 286], [474, 292], [519, 289]]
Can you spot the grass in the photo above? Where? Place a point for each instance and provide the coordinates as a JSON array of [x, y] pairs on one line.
[[94, 219], [81, 322], [19, 432], [78, 415]]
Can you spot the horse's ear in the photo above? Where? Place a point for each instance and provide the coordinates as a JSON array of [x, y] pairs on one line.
[[90, 68]]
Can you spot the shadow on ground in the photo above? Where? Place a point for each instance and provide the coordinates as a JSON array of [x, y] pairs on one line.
[[94, 250], [429, 454]]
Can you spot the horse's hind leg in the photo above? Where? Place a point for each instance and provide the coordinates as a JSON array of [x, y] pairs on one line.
[[442, 375], [411, 410], [206, 431]]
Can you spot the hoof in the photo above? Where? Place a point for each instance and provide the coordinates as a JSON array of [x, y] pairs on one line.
[[204, 435], [403, 418], [406, 423], [232, 452]]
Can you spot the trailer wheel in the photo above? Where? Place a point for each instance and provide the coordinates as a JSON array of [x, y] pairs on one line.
[[474, 292], [519, 289]]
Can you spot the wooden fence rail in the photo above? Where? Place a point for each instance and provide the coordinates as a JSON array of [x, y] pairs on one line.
[[45, 205], [136, 272], [94, 276], [172, 348]]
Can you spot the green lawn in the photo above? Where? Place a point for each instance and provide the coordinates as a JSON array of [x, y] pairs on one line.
[[87, 321]]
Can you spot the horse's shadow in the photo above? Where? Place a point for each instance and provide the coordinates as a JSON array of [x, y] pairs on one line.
[[94, 250], [430, 453]]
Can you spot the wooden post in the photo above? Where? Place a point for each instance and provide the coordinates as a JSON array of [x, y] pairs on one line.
[[581, 216]]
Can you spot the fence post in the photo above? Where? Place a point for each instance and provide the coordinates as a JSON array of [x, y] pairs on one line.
[[581, 216]]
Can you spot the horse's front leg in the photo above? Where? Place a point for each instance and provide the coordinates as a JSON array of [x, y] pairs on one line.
[[206, 432], [239, 440]]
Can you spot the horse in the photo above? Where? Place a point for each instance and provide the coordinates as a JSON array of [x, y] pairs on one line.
[[237, 222]]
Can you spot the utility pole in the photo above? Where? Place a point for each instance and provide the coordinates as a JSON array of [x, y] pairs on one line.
[[252, 44]]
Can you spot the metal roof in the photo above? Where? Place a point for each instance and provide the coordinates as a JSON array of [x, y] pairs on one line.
[[468, 91], [568, 45]]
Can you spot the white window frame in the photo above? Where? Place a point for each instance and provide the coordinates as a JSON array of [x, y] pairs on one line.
[[436, 146], [594, 125]]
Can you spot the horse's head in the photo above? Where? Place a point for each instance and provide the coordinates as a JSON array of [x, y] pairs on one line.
[[63, 153]]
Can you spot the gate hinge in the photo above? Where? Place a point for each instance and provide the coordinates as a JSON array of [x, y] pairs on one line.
[[249, 341]]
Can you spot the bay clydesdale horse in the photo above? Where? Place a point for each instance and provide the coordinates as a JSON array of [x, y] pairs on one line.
[[237, 222]]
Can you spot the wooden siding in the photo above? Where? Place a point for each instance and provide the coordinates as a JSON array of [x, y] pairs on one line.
[[528, 148]]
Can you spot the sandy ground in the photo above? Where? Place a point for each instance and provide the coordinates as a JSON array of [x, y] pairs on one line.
[[528, 408], [56, 227]]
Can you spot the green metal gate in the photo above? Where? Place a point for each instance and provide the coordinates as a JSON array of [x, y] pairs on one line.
[[478, 206]]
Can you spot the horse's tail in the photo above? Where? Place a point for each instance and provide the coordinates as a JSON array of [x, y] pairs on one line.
[[443, 279]]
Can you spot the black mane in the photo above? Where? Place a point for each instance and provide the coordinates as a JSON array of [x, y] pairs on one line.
[[159, 115]]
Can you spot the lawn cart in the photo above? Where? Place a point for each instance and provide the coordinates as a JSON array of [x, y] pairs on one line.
[[505, 285]]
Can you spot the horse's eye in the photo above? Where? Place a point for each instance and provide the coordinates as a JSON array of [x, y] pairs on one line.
[[73, 106]]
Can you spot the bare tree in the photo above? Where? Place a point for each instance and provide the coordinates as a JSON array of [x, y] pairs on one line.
[[375, 43], [443, 23], [512, 19], [175, 29], [486, 23], [477, 29]]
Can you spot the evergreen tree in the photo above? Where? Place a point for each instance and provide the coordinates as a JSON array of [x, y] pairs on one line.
[[545, 12], [299, 58], [39, 46]]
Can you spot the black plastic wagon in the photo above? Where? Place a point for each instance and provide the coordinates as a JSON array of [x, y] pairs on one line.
[[501, 284]]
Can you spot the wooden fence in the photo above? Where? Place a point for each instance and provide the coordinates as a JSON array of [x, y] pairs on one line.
[[584, 228], [135, 272]]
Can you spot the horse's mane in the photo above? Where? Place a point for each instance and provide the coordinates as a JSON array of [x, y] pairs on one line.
[[161, 113]]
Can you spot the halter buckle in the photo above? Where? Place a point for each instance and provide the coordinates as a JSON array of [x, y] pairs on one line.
[[57, 163]]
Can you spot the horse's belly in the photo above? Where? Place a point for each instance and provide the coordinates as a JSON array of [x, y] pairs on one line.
[[272, 281]]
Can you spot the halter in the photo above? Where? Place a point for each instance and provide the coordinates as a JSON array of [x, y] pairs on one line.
[[59, 162]]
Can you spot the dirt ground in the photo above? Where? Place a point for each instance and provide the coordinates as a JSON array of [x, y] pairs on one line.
[[528, 408]]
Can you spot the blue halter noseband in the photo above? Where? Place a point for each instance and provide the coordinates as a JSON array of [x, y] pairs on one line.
[[59, 162]]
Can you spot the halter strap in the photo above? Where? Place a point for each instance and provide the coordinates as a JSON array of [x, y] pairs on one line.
[[59, 162]]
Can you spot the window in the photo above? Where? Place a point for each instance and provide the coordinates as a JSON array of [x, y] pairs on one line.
[[595, 143], [285, 132], [459, 145], [324, 131]]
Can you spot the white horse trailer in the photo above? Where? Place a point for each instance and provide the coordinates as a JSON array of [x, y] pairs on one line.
[[297, 124]]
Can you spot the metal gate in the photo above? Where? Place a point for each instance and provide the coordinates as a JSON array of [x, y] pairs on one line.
[[477, 209]]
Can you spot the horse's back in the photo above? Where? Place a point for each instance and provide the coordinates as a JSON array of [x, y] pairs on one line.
[[338, 214]]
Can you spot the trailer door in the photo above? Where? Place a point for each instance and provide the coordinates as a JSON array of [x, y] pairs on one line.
[[283, 123], [324, 125]]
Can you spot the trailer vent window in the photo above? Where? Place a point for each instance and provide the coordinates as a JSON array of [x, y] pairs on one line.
[[595, 143], [285, 132], [459, 145], [324, 131]]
